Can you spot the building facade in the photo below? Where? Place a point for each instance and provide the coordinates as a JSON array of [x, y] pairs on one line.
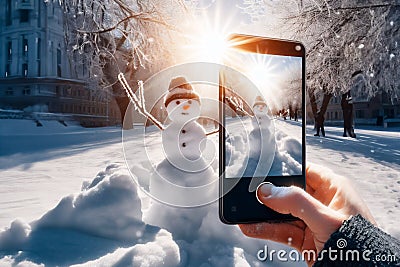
[[36, 72], [372, 112]]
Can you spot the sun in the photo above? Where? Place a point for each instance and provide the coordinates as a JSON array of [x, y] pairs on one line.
[[206, 37], [210, 46], [261, 70], [205, 43]]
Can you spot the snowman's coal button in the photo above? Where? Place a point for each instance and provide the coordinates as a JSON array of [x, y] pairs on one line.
[[184, 131], [184, 144]]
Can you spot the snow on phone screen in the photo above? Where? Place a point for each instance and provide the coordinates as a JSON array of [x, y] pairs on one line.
[[263, 134]]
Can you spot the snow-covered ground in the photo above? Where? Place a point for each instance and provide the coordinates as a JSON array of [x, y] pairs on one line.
[[77, 204]]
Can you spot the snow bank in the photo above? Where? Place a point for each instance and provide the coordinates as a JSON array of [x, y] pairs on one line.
[[101, 225], [10, 262], [15, 236], [108, 207], [287, 156], [163, 251]]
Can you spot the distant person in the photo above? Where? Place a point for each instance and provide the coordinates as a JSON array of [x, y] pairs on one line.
[[319, 121]]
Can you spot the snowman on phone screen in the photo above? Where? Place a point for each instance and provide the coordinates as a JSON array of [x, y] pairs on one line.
[[261, 140]]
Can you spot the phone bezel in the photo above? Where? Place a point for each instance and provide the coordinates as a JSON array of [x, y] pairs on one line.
[[234, 191]]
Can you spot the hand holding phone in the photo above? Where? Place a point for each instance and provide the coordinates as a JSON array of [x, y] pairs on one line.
[[330, 199]]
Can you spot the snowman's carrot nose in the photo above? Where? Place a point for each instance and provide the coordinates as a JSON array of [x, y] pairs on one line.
[[186, 107]]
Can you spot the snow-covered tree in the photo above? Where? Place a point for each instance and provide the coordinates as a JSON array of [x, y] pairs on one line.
[[109, 37], [350, 43]]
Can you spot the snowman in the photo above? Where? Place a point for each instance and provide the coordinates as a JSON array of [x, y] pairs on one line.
[[261, 140], [261, 119], [183, 178]]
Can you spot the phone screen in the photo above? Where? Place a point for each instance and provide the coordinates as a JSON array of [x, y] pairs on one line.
[[262, 135]]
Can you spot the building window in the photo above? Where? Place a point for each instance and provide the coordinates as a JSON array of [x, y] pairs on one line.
[[8, 71], [38, 54], [23, 15], [9, 92], [24, 46], [26, 91], [25, 69], [38, 48], [58, 56], [58, 62], [336, 115], [9, 50], [8, 13]]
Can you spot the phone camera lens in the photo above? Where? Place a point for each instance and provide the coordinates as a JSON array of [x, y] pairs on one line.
[[297, 48]]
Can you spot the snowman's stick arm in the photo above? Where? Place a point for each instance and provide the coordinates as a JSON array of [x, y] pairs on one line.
[[238, 105], [213, 132], [143, 107], [138, 103]]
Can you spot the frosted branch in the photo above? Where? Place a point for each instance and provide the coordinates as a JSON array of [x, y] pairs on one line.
[[138, 102]]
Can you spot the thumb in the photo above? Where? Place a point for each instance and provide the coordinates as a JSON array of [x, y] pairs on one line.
[[293, 200]]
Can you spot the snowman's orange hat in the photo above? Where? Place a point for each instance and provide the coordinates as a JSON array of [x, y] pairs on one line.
[[259, 101], [180, 88]]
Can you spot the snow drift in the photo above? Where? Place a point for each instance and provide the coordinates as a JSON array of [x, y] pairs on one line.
[[101, 225]]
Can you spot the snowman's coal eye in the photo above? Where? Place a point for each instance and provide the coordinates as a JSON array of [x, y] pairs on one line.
[[178, 102], [190, 102]]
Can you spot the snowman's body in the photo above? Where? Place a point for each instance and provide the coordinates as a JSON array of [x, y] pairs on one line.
[[178, 177], [262, 143], [183, 178], [183, 141]]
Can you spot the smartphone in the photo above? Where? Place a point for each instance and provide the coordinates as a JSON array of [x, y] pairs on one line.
[[262, 130]]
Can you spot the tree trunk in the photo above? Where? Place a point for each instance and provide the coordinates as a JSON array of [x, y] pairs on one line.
[[314, 105], [325, 103], [348, 120], [123, 102]]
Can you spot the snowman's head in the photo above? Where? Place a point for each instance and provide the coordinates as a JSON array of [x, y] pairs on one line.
[[183, 110], [260, 109], [181, 101], [259, 106]]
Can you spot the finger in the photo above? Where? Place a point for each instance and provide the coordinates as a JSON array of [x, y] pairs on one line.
[[295, 201], [321, 183], [286, 233], [325, 185], [318, 176]]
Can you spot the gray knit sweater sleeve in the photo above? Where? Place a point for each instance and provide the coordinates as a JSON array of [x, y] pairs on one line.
[[359, 243]]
